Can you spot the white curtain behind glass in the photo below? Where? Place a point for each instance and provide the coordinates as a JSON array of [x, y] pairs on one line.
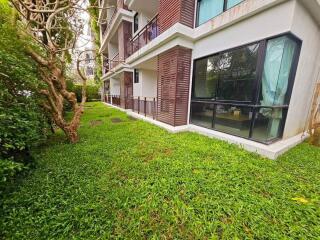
[[277, 67]]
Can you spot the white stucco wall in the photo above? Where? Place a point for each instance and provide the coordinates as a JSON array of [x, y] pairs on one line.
[[147, 86], [149, 83], [137, 87], [304, 27], [114, 86], [269, 23]]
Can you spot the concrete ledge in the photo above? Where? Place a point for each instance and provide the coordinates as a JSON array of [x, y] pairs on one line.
[[165, 126], [271, 151]]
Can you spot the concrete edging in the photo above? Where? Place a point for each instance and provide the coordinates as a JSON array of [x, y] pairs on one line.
[[272, 151]]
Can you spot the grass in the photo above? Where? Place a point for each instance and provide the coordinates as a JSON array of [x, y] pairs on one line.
[[128, 179]]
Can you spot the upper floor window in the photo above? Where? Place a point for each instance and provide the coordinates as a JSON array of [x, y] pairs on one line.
[[208, 9], [136, 22], [136, 76]]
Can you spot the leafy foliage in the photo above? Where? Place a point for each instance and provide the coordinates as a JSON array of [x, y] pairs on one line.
[[21, 120], [94, 15], [92, 92], [8, 169], [128, 179]]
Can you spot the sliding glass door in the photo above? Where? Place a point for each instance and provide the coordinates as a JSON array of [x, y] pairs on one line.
[[246, 91]]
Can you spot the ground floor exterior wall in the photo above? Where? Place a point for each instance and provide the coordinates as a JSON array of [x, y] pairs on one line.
[[287, 17], [114, 86], [171, 82]]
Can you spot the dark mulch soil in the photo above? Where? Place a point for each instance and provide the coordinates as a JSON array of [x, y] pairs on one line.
[[95, 123], [116, 120]]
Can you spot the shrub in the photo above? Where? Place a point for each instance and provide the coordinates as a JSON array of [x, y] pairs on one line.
[[22, 121], [92, 92]]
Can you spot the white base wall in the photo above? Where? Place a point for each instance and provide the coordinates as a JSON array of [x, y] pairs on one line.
[[147, 86], [114, 86]]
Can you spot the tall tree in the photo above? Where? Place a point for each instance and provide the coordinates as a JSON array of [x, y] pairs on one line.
[[56, 26]]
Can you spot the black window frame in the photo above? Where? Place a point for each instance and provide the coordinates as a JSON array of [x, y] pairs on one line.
[[136, 22], [225, 4], [257, 86], [136, 78]]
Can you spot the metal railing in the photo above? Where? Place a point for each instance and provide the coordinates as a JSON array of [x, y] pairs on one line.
[[142, 105], [113, 99], [114, 61], [106, 66], [106, 26], [144, 36], [145, 106]]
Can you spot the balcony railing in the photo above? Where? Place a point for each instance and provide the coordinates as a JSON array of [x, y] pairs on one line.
[[113, 99], [145, 35], [106, 66], [106, 26], [141, 105], [145, 106], [114, 61]]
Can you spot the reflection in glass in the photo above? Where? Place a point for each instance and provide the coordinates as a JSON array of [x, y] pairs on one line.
[[206, 78], [202, 114], [233, 120], [267, 124], [237, 73], [208, 9]]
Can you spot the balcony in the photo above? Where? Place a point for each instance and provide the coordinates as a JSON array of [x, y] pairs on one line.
[[105, 27], [106, 68], [146, 35], [115, 61], [150, 9], [117, 13]]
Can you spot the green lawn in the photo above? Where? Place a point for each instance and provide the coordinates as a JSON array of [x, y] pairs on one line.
[[132, 180]]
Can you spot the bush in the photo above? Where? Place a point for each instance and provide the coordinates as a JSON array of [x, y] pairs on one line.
[[22, 121], [92, 92]]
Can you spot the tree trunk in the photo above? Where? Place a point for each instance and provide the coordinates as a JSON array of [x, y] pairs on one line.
[[315, 137], [71, 134]]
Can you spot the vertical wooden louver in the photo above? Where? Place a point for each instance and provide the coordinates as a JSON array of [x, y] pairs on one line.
[[173, 86], [124, 35], [174, 11], [126, 90]]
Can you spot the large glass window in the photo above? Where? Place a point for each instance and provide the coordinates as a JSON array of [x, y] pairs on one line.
[[202, 114], [246, 91], [207, 74], [227, 76], [233, 119], [267, 125], [238, 73]]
